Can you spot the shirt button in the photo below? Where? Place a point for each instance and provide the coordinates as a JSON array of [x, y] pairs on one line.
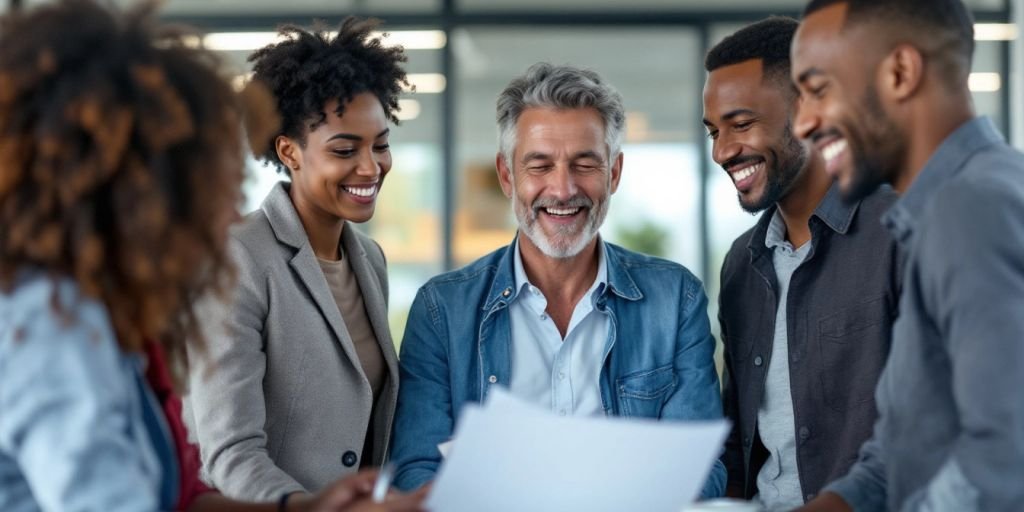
[[493, 379], [349, 459], [561, 375], [507, 292], [543, 316], [758, 361], [805, 433]]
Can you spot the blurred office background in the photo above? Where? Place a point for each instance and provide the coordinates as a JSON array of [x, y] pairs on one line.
[[441, 206]]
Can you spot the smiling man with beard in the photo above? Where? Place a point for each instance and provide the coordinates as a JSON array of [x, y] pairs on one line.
[[886, 98], [808, 294], [559, 317]]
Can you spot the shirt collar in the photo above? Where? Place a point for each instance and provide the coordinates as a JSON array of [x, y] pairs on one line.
[[943, 165], [521, 279], [833, 211], [776, 235]]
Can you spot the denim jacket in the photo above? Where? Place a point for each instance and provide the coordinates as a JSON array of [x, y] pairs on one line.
[[658, 356], [80, 429]]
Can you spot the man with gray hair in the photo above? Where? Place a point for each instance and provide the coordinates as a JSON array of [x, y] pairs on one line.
[[559, 317]]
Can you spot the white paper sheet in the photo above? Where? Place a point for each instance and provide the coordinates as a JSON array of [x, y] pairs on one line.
[[510, 456]]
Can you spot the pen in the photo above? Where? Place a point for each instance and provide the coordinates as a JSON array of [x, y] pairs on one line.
[[383, 483]]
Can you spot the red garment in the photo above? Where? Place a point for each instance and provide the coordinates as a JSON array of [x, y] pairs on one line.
[[159, 378]]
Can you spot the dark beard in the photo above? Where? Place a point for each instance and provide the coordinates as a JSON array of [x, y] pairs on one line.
[[879, 164], [788, 162]]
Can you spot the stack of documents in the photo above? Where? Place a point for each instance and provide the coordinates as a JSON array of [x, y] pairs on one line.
[[511, 456]]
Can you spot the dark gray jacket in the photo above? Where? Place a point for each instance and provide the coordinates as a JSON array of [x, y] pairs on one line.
[[842, 302]]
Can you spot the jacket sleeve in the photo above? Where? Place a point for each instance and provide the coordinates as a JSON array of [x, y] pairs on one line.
[[732, 458], [424, 417], [226, 390], [65, 411], [697, 395], [864, 486]]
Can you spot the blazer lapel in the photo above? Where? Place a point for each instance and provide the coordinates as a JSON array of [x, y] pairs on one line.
[[373, 296], [288, 230], [305, 265]]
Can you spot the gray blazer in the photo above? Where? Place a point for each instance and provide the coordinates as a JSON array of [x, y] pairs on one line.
[[278, 401]]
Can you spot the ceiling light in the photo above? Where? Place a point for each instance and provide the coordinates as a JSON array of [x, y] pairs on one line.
[[415, 39], [985, 82], [248, 41], [995, 31], [427, 83]]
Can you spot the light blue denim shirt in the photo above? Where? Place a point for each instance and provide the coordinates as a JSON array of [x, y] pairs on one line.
[[555, 373], [658, 362], [79, 430]]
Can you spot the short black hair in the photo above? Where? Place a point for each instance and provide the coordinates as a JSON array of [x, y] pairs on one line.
[[948, 22], [310, 68], [768, 40]]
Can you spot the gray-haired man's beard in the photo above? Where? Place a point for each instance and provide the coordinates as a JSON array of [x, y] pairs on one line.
[[566, 241]]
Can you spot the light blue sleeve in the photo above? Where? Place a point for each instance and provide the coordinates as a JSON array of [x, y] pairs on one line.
[[66, 403]]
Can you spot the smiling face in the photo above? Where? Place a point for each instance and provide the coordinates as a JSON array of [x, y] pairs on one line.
[[840, 111], [747, 117], [562, 178], [340, 169]]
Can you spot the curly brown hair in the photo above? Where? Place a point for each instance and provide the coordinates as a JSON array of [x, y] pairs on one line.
[[311, 67], [121, 161]]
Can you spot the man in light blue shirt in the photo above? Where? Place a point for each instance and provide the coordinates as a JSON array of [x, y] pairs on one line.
[[547, 368], [559, 317]]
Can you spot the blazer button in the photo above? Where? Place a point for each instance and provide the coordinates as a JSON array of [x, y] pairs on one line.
[[805, 433], [349, 459], [507, 292], [758, 361], [493, 379]]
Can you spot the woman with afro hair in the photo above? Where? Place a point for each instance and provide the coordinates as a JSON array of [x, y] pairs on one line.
[[300, 379], [121, 161]]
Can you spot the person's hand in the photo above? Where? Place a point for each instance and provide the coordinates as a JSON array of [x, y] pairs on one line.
[[395, 502], [826, 502], [353, 494]]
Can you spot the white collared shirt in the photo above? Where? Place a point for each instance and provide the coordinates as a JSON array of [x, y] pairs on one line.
[[562, 375]]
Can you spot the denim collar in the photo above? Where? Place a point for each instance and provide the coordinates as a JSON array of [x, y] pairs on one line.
[[943, 165], [503, 287]]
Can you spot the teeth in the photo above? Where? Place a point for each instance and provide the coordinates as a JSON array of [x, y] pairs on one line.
[[361, 191], [834, 149], [746, 172], [562, 211]]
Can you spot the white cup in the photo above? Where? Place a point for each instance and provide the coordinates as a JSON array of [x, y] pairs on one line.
[[724, 505]]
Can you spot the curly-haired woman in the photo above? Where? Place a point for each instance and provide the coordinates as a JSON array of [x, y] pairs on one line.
[[120, 167], [300, 382]]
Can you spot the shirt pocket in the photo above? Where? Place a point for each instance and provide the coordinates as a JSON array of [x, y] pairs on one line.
[[853, 343], [642, 394]]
